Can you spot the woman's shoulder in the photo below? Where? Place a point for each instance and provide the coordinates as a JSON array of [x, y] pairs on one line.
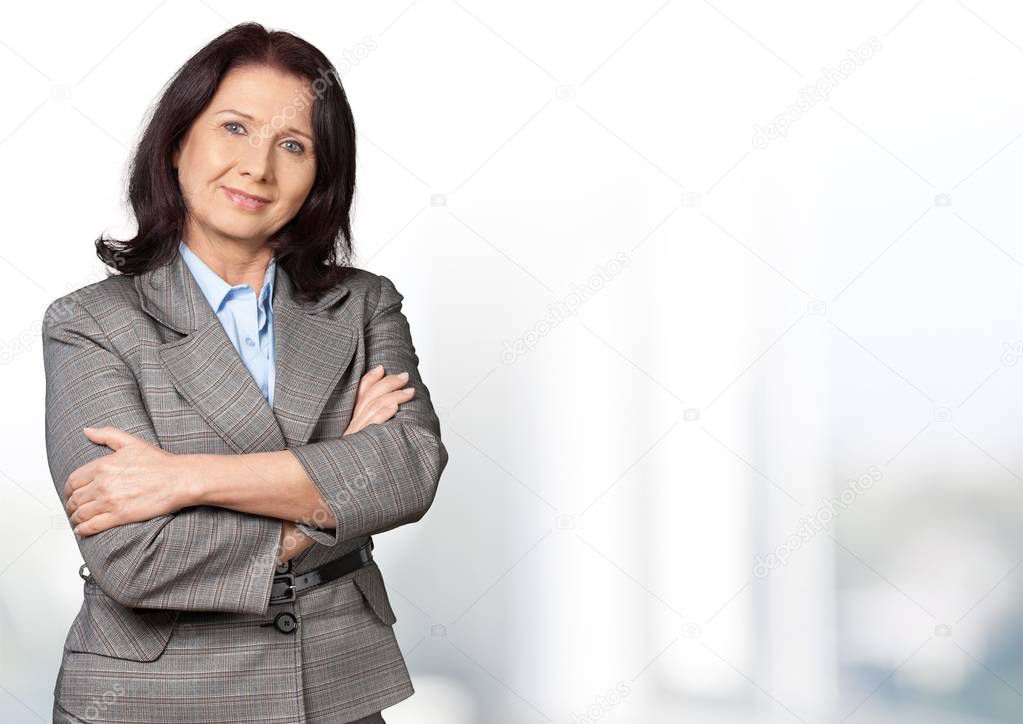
[[359, 282], [113, 294], [370, 288]]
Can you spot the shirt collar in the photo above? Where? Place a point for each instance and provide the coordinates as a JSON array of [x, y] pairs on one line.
[[213, 286]]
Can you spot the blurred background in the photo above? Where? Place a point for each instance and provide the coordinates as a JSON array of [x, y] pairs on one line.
[[720, 304]]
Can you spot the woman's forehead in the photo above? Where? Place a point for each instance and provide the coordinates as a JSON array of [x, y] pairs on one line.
[[263, 94]]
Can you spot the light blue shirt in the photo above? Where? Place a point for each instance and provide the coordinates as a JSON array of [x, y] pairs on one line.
[[249, 322]]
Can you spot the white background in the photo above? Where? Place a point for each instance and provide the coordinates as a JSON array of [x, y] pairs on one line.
[[846, 299]]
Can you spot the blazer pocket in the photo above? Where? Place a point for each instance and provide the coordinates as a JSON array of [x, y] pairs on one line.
[[371, 583], [105, 627]]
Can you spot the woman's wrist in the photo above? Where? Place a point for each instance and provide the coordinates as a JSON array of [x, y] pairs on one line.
[[218, 480], [272, 484], [198, 475], [194, 478]]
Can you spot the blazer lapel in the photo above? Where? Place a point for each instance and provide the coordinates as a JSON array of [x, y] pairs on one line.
[[312, 352]]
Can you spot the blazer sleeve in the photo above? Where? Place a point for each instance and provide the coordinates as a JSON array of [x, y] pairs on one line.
[[384, 475], [201, 558]]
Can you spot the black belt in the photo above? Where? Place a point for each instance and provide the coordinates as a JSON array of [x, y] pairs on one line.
[[287, 585]]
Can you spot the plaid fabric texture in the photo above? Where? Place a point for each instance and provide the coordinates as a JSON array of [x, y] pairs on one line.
[[173, 624]]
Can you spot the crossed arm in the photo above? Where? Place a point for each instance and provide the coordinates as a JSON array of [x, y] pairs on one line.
[[215, 546], [139, 481]]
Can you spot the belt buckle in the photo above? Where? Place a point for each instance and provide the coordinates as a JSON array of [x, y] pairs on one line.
[[288, 579]]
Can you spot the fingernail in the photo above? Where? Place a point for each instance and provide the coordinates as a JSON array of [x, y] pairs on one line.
[[403, 374]]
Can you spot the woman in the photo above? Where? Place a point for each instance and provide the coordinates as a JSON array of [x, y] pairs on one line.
[[233, 415]]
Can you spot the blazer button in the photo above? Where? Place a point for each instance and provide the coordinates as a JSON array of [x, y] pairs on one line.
[[285, 622]]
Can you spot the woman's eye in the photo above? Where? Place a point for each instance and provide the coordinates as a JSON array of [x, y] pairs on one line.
[[294, 147]]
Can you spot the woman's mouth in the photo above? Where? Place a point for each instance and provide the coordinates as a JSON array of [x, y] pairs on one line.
[[245, 201]]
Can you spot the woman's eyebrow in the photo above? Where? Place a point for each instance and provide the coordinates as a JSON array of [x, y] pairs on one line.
[[246, 115]]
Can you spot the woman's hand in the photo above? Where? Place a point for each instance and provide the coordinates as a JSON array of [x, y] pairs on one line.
[[378, 398], [136, 482], [293, 542], [376, 401], [139, 481]]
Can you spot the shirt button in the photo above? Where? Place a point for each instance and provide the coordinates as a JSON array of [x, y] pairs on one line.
[[284, 567], [248, 341], [285, 622]]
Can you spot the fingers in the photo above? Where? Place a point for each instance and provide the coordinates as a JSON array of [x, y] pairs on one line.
[[375, 383], [381, 408], [97, 524], [112, 437], [85, 513], [79, 498], [385, 407], [378, 397], [369, 379], [81, 476], [393, 399]]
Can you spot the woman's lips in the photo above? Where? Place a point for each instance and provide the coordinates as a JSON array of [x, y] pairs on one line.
[[244, 201]]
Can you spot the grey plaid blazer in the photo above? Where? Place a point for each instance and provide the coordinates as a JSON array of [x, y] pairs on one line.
[[173, 625]]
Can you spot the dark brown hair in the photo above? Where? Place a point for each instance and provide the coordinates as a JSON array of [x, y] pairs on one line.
[[315, 246]]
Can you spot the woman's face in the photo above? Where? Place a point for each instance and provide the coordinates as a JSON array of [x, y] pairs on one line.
[[254, 137]]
